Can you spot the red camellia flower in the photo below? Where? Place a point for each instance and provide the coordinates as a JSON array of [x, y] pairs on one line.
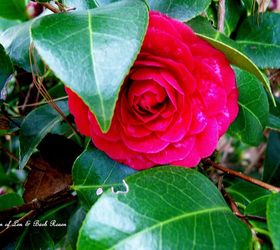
[[178, 99]]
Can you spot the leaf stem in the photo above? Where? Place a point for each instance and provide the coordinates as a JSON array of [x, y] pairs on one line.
[[242, 176]]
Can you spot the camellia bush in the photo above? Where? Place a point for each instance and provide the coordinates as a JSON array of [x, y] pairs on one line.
[[138, 124]]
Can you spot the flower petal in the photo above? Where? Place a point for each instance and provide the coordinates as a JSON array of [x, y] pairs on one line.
[[175, 151], [148, 144], [80, 112]]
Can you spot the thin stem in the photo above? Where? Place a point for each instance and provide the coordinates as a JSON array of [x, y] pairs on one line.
[[8, 153], [34, 208], [255, 217], [242, 176], [236, 211], [43, 102], [50, 7], [221, 15]]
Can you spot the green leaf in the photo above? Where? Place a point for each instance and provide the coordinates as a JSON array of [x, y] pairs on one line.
[[165, 208], [245, 192], [258, 208], [51, 234], [253, 109], [80, 4], [274, 114], [16, 41], [250, 6], [13, 9], [40, 239], [35, 127], [261, 40], [182, 10], [273, 218], [5, 24], [271, 171], [93, 171], [6, 179], [6, 68], [10, 200], [105, 41], [73, 227], [233, 12], [229, 47]]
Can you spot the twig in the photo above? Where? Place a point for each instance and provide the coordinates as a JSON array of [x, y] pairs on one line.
[[236, 211], [242, 176], [8, 153], [27, 96], [34, 208], [5, 232], [37, 80], [43, 102], [50, 7], [221, 15]]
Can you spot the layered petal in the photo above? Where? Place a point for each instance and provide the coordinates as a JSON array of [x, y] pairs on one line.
[[179, 97]]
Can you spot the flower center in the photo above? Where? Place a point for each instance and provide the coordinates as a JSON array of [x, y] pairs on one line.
[[146, 98]]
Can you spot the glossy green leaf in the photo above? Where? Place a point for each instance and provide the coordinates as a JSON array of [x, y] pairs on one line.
[[73, 227], [250, 6], [35, 127], [233, 12], [182, 10], [271, 171], [273, 218], [253, 109], [16, 41], [10, 200], [80, 4], [245, 192], [13, 9], [6, 23], [165, 208], [258, 208], [274, 115], [6, 68], [229, 47], [94, 172], [260, 40], [98, 46]]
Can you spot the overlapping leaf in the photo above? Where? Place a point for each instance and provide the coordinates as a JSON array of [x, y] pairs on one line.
[[16, 41], [98, 46], [260, 40], [245, 192], [253, 109], [273, 218], [229, 47], [271, 172], [233, 12], [13, 9], [94, 173], [6, 68], [80, 4], [182, 10], [10, 200], [165, 208], [274, 115], [258, 208], [35, 127]]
